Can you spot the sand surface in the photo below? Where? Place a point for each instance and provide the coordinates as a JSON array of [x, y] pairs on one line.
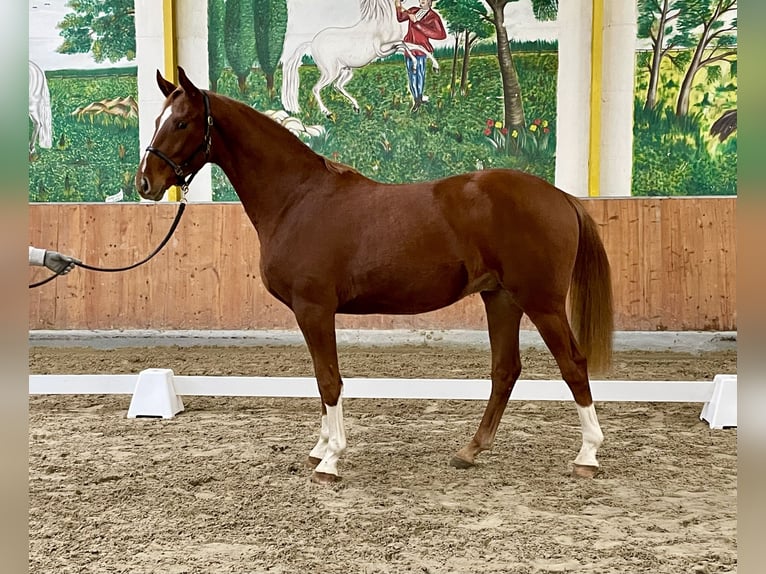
[[221, 488]]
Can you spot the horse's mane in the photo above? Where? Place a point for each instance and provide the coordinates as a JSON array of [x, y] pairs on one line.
[[375, 9], [332, 166], [338, 168]]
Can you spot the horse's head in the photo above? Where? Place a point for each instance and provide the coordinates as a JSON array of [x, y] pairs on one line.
[[181, 142]]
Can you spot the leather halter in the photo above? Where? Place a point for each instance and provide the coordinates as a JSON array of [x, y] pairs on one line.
[[183, 180]]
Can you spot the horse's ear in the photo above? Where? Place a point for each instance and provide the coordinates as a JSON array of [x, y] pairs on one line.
[[186, 83], [166, 87]]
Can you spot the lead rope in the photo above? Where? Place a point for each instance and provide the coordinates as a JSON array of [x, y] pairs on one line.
[[181, 208], [183, 181]]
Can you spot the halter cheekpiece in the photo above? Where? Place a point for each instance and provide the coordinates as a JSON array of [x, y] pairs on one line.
[[183, 180]]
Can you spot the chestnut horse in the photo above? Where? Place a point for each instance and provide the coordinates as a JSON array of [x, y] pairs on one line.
[[333, 241]]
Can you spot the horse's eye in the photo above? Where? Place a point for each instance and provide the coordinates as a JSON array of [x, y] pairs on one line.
[[181, 125]]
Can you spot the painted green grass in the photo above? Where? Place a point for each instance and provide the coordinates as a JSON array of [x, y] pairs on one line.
[[676, 155], [92, 157], [388, 143], [92, 160]]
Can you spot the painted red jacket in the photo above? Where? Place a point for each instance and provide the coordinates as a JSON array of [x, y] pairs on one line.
[[429, 27]]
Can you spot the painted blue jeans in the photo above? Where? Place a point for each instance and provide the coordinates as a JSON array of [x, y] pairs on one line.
[[416, 74]]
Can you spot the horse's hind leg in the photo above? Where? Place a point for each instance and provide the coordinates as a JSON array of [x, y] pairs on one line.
[[503, 320], [557, 334], [318, 327], [324, 80], [36, 123], [340, 84]]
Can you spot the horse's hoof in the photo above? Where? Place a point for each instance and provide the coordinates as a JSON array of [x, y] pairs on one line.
[[324, 478], [312, 462], [460, 463], [584, 471]]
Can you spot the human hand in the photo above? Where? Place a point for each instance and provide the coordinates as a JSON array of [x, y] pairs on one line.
[[58, 263]]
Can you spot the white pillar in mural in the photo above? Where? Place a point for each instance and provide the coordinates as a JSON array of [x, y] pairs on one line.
[[150, 50], [191, 45], [573, 97], [618, 77]]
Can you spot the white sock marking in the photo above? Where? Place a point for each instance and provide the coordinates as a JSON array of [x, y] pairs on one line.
[[336, 443], [320, 448], [592, 437]]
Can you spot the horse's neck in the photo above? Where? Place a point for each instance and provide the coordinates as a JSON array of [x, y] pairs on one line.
[[264, 162], [380, 17]]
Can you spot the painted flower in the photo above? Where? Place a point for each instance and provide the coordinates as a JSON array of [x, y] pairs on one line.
[[487, 131], [504, 131], [537, 121], [533, 128], [514, 134], [490, 123], [498, 124], [546, 130], [545, 123]]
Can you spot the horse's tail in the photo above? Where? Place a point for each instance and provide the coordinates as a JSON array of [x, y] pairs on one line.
[[45, 137], [291, 80], [40, 106], [590, 294]]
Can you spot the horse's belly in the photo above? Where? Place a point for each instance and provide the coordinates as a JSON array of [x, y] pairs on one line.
[[415, 293]]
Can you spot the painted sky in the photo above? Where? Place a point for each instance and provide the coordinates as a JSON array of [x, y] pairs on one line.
[[307, 17], [44, 38]]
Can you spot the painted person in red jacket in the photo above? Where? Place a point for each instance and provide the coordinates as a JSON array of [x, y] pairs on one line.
[[423, 26]]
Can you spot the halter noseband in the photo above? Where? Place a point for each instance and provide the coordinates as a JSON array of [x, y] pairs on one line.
[[184, 180]]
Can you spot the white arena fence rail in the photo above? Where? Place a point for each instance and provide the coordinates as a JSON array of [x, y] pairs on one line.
[[158, 392]]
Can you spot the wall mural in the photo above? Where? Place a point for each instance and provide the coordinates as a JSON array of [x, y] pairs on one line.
[[423, 91], [685, 117], [83, 134], [402, 91]]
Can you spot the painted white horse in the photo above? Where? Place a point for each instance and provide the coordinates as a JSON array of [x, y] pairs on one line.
[[39, 109], [338, 51]]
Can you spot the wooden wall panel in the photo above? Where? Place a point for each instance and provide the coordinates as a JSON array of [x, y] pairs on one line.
[[673, 265]]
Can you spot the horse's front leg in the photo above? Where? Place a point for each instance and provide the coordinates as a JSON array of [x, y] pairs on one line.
[[385, 50], [317, 324]]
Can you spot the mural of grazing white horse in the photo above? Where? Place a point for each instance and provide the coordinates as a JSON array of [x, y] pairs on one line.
[[338, 51], [39, 109]]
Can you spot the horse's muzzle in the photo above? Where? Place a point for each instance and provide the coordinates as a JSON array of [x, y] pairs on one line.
[[144, 189]]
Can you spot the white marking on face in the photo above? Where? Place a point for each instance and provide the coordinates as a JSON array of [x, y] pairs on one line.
[[163, 118], [592, 437], [336, 443]]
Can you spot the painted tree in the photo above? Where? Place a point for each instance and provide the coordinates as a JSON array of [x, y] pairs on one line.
[[239, 39], [270, 28], [466, 20], [512, 98], [216, 53], [655, 22], [105, 28], [709, 29]]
